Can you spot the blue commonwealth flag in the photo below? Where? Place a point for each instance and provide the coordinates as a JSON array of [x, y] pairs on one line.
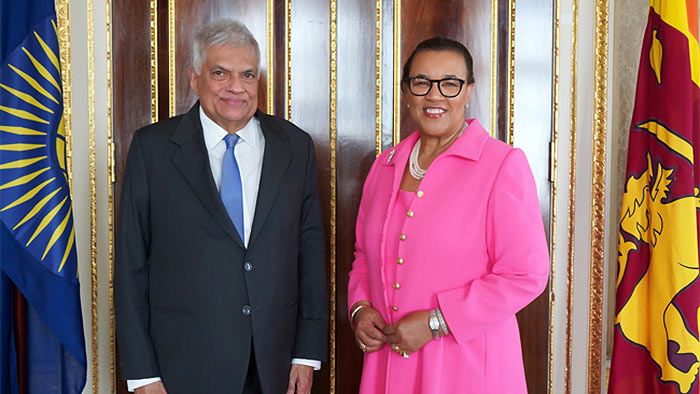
[[37, 249]]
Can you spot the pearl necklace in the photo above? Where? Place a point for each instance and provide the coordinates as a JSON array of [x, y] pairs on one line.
[[413, 167]]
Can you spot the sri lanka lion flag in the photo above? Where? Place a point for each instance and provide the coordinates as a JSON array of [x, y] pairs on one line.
[[37, 249], [656, 346]]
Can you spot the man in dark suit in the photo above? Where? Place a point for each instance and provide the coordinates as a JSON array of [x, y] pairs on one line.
[[220, 282]]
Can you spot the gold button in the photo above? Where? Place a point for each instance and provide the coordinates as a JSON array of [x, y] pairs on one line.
[[402, 237], [394, 308], [399, 260], [409, 214], [397, 285], [420, 193]]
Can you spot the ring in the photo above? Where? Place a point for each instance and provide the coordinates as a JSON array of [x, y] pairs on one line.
[[395, 348], [363, 347], [403, 354]]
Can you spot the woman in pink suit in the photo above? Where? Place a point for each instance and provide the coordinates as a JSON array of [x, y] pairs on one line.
[[450, 245]]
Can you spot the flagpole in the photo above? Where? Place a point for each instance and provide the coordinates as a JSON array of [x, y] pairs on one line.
[[20, 330]]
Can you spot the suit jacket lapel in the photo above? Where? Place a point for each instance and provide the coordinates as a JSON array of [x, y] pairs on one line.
[[192, 160], [274, 168]]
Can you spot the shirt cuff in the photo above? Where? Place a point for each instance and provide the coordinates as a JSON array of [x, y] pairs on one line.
[[133, 384], [316, 364]]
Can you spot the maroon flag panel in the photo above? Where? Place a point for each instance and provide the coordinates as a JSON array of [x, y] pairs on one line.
[[656, 348]]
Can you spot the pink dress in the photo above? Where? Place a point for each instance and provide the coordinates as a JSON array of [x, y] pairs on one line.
[[470, 241]]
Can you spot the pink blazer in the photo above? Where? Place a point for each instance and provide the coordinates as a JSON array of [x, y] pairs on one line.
[[475, 247]]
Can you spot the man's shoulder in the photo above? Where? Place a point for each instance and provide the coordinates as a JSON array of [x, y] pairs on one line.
[[161, 130], [282, 127]]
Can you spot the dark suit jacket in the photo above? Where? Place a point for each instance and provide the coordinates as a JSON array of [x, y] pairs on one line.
[[180, 284]]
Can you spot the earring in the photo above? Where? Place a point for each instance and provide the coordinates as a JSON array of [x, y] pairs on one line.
[[408, 105], [467, 105]]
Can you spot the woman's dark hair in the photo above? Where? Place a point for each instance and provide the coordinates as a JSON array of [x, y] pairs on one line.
[[441, 44]]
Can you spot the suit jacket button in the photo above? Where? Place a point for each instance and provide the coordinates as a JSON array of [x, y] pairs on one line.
[[246, 310], [248, 266]]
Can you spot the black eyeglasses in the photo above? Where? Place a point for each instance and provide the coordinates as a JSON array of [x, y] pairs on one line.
[[448, 87]]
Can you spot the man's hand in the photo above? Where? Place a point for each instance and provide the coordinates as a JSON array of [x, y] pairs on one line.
[[152, 388], [368, 330], [300, 379], [410, 333]]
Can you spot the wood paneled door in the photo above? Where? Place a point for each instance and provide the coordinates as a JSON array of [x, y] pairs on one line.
[[332, 68]]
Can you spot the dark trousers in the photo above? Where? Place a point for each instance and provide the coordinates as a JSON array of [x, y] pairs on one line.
[[252, 381]]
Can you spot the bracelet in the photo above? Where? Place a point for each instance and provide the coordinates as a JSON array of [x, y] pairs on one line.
[[443, 324], [357, 308]]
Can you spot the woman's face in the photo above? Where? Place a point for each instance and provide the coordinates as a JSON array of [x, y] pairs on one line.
[[436, 115]]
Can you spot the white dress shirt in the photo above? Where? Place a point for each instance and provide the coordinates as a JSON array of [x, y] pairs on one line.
[[249, 152]]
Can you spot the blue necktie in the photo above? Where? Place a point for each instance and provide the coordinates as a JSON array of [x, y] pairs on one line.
[[231, 188]]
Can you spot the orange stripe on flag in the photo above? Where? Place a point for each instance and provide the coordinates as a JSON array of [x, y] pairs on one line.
[[683, 16], [692, 7]]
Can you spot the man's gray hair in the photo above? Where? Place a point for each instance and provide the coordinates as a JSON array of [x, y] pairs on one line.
[[221, 32]]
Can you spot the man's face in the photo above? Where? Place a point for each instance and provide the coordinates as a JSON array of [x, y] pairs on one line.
[[227, 85]]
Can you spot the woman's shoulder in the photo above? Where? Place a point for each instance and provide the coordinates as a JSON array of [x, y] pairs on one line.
[[505, 159], [481, 146], [497, 155]]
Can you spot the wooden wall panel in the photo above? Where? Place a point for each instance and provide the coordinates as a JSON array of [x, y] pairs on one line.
[[131, 87], [279, 44], [131, 75], [310, 108], [163, 58], [356, 152], [469, 23], [532, 132], [532, 116], [502, 70], [387, 79]]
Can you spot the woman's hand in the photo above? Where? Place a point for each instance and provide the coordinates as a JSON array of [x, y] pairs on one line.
[[410, 333], [368, 325]]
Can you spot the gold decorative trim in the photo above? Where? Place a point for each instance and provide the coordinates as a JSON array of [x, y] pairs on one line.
[[397, 72], [494, 69], [111, 173], [333, 188], [511, 72], [572, 197], [63, 33], [172, 108], [554, 193], [154, 61], [378, 85], [93, 192], [288, 56], [600, 113], [270, 57]]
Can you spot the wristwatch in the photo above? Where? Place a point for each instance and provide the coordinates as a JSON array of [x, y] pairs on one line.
[[434, 324]]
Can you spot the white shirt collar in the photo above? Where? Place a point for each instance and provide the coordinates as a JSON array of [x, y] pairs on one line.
[[251, 133]]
